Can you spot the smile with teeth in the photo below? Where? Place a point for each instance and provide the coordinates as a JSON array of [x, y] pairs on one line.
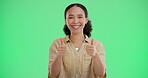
[[75, 26]]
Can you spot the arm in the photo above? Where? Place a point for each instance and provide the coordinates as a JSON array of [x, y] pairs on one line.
[[98, 67], [56, 66], [56, 55], [97, 53]]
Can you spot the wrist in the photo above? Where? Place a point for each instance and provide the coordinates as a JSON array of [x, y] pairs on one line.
[[96, 55], [59, 56]]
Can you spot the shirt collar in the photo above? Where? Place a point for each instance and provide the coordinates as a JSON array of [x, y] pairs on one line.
[[67, 39]]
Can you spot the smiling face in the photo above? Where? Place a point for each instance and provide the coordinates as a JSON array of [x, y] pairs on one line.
[[75, 20]]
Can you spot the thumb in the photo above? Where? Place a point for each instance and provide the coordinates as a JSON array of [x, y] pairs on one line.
[[92, 41], [61, 41]]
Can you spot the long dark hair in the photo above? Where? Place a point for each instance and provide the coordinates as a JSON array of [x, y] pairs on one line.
[[88, 27]]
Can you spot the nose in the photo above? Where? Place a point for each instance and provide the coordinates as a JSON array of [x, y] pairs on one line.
[[76, 20]]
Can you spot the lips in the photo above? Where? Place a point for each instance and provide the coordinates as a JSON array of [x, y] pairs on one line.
[[75, 26]]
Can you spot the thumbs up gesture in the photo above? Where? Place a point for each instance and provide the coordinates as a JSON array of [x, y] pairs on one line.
[[91, 49], [61, 48]]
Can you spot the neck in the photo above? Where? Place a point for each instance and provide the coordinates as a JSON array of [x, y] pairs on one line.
[[77, 38]]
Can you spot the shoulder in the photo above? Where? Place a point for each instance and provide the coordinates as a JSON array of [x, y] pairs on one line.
[[99, 47], [58, 42], [55, 43], [98, 43]]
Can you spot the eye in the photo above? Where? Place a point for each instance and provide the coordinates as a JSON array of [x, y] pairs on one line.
[[80, 17], [70, 17]]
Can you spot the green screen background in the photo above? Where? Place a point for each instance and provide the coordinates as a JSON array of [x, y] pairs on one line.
[[28, 27]]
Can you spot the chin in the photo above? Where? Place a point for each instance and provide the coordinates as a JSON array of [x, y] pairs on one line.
[[76, 32]]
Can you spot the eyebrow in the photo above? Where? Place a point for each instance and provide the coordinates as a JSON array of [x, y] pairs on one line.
[[73, 15], [80, 14], [70, 15]]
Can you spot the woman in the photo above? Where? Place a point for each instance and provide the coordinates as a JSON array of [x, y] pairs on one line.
[[76, 56]]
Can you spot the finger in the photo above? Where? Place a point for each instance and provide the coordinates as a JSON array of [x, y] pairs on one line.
[[61, 46], [61, 49], [61, 40], [90, 49], [89, 46], [92, 41]]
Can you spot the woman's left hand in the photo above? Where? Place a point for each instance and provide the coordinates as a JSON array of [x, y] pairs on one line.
[[91, 49]]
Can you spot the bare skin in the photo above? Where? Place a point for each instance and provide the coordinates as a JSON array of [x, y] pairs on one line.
[[75, 20]]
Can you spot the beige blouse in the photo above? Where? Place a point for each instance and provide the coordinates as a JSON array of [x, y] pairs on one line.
[[76, 64]]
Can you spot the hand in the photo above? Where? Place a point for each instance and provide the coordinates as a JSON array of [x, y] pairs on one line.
[[91, 49], [61, 48]]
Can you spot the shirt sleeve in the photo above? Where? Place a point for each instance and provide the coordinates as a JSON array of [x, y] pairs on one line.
[[101, 53], [52, 53]]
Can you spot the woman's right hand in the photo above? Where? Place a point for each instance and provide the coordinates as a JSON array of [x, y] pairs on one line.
[[61, 48], [56, 65]]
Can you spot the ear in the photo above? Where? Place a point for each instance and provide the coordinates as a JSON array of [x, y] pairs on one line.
[[86, 20], [65, 21]]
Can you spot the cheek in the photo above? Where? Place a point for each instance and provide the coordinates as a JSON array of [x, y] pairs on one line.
[[69, 21], [82, 21]]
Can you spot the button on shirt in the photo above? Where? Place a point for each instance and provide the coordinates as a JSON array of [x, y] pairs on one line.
[[75, 63]]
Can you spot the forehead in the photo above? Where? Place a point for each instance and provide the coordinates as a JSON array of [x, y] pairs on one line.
[[75, 10]]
